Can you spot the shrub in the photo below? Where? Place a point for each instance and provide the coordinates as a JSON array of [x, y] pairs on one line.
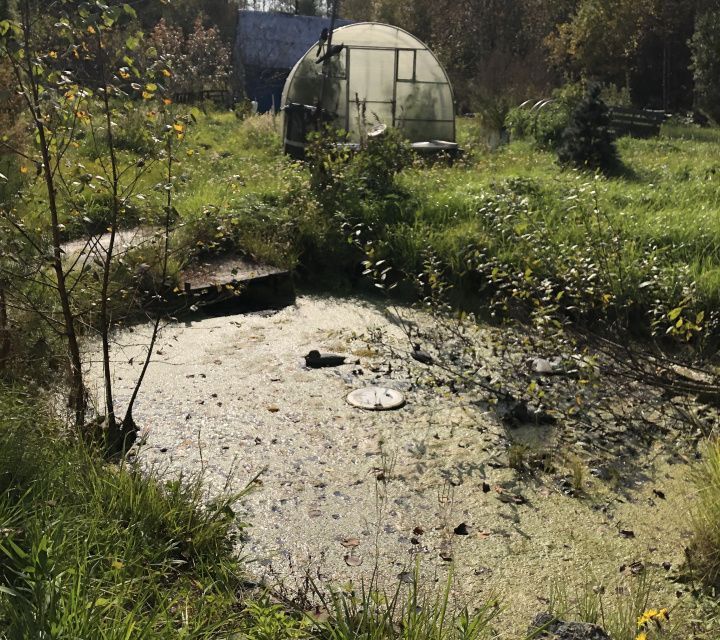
[[586, 142], [543, 126]]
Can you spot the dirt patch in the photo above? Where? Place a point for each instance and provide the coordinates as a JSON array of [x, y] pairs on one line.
[[344, 492]]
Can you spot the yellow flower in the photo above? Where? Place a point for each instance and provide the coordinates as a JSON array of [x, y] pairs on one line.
[[179, 127], [23, 169], [641, 636], [124, 74], [166, 73], [167, 101], [53, 55], [91, 30], [147, 95]]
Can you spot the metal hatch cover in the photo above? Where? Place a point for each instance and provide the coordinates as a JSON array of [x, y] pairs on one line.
[[376, 399]]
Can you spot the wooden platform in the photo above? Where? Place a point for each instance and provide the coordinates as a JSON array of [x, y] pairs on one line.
[[228, 284], [234, 284]]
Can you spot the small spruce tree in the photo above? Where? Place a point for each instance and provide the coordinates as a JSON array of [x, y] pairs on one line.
[[587, 142]]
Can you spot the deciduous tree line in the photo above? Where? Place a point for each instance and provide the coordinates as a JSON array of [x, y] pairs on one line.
[[664, 52]]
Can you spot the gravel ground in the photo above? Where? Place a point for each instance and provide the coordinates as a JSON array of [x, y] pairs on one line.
[[342, 492]]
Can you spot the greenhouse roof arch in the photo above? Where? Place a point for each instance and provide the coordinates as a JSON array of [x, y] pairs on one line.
[[376, 75]]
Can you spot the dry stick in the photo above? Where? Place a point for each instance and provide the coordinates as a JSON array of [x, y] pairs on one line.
[[128, 420], [4, 330], [113, 431]]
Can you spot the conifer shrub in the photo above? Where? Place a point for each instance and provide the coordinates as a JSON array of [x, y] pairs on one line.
[[587, 142]]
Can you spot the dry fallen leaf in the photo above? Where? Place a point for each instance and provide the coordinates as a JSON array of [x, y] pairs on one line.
[[350, 543]]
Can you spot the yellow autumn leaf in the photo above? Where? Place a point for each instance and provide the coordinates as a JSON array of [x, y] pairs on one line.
[[91, 29], [124, 75], [179, 127]]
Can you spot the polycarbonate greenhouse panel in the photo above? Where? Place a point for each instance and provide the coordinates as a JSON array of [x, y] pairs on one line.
[[384, 75]]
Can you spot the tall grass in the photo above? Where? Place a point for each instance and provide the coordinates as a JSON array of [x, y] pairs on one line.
[[89, 550], [408, 613], [705, 549]]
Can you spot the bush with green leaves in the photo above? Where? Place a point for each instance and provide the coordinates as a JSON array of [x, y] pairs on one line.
[[543, 125], [587, 142]]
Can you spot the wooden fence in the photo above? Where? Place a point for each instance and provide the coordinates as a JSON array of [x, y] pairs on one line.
[[219, 96], [640, 123]]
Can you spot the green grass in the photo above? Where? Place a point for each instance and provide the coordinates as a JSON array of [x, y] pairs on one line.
[[647, 241], [705, 550], [89, 550]]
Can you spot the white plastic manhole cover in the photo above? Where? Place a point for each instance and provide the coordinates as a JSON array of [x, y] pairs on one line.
[[376, 398]]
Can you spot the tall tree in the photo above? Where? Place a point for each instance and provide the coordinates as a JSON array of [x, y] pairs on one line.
[[705, 45]]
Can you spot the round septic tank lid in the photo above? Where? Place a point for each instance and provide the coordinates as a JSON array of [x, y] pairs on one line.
[[376, 398]]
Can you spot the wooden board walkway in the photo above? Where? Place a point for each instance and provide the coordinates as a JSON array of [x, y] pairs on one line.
[[223, 284]]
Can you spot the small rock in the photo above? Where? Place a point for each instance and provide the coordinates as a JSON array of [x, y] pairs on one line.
[[352, 560], [421, 356], [547, 627], [316, 360], [461, 530]]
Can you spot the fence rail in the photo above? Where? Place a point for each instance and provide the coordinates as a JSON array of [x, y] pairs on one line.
[[220, 96], [640, 123]]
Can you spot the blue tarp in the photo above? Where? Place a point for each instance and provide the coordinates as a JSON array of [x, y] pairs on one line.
[[267, 46]]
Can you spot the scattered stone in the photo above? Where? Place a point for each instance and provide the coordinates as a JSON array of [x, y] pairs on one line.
[[637, 567], [627, 533], [542, 366], [273, 408], [316, 360], [508, 497], [421, 356], [547, 627], [461, 530], [659, 494], [351, 560], [406, 577]]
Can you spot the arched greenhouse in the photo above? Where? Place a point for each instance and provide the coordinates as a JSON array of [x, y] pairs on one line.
[[370, 76]]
